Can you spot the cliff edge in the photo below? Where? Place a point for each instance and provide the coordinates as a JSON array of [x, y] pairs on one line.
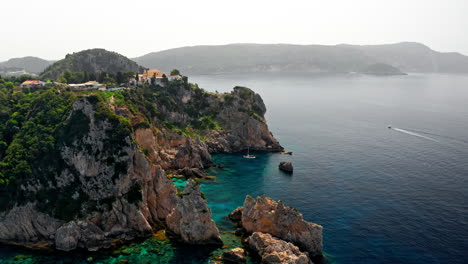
[[101, 177]]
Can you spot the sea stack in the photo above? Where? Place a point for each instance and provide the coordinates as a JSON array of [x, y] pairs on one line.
[[286, 166], [283, 222]]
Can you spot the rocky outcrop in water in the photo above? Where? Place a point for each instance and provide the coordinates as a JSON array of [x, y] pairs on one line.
[[286, 166], [267, 216], [275, 251], [191, 218], [236, 255], [191, 172]]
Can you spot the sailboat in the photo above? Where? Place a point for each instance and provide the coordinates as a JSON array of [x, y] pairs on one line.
[[248, 156]]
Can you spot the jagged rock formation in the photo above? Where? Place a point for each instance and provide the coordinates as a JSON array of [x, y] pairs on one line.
[[191, 172], [91, 61], [275, 251], [232, 121], [286, 166], [104, 200], [103, 176], [236, 215], [267, 216], [236, 255], [104, 179], [191, 218]]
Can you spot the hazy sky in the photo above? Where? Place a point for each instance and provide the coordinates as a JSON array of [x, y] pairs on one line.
[[52, 28]]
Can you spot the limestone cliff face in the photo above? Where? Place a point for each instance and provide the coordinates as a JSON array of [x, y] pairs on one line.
[[113, 189], [173, 151], [239, 114], [244, 126], [105, 178]]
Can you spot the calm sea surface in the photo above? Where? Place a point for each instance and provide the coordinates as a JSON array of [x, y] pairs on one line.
[[382, 195]]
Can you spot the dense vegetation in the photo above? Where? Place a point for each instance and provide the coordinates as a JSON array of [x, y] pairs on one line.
[[109, 79], [36, 124]]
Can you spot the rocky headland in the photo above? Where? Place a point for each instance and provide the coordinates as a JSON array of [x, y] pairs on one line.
[[104, 176]]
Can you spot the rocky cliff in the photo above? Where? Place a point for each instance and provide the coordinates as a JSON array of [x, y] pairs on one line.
[[103, 177]]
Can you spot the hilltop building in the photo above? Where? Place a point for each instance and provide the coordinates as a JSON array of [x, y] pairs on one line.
[[91, 85], [158, 75], [32, 84]]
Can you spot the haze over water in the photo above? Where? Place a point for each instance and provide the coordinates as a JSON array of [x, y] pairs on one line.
[[383, 195]]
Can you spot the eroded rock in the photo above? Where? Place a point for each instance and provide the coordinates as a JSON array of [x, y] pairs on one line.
[[276, 251], [236, 255], [236, 215], [286, 166], [286, 223], [191, 172], [191, 218]]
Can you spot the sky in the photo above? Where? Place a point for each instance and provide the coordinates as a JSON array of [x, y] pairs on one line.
[[50, 29]]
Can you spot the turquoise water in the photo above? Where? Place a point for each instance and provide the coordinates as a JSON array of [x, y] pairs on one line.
[[382, 195]]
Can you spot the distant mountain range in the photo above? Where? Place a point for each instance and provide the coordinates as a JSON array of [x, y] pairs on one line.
[[404, 57], [28, 64], [237, 58]]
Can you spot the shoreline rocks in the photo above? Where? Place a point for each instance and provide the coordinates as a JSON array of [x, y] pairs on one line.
[[273, 251], [191, 218], [267, 216], [236, 255]]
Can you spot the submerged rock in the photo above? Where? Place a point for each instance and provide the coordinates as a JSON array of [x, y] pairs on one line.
[[267, 216], [191, 172], [236, 255], [275, 251], [191, 218], [286, 166]]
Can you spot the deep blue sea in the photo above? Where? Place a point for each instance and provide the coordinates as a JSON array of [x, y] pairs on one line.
[[382, 195]]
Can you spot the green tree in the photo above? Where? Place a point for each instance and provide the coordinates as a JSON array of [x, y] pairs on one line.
[[119, 78], [68, 75], [86, 77], [9, 85], [92, 77], [102, 77], [175, 72], [79, 77], [153, 79]]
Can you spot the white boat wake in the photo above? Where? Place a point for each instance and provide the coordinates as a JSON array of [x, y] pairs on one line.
[[413, 134]]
